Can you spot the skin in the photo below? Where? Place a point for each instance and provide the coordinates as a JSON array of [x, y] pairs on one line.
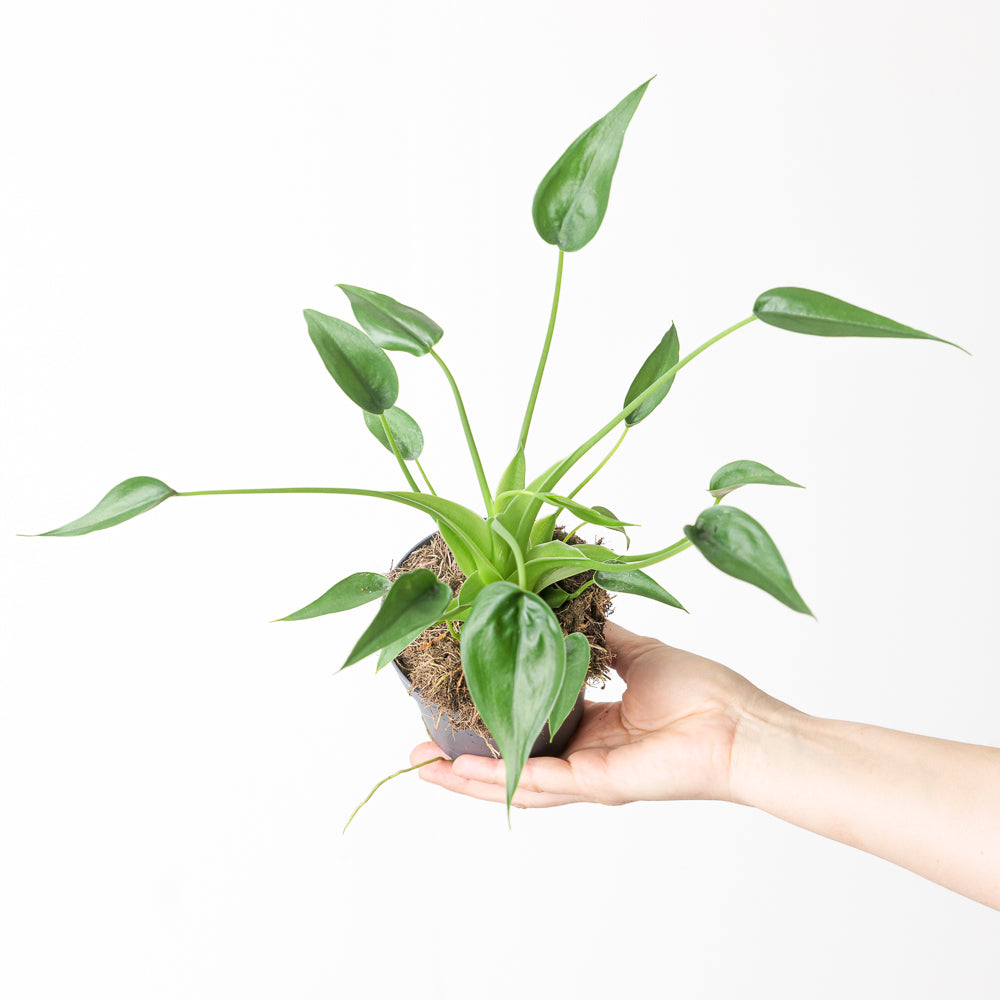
[[690, 728]]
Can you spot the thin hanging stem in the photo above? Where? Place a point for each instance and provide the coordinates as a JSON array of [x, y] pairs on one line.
[[522, 440], [395, 451], [474, 451], [424, 474], [404, 770]]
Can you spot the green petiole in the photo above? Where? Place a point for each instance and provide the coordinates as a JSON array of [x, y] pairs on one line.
[[395, 451], [473, 450], [420, 468], [604, 461], [515, 549], [523, 438]]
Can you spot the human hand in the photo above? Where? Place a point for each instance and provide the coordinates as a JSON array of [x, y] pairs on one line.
[[670, 737]]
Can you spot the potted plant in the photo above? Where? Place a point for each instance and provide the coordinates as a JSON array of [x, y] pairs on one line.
[[501, 601]]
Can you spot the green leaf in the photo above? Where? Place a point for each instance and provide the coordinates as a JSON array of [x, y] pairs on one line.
[[358, 366], [542, 529], [634, 581], [514, 659], [415, 601], [555, 597], [405, 430], [589, 514], [390, 652], [614, 517], [124, 501], [512, 479], [351, 592], [570, 202], [474, 583], [577, 665], [390, 324], [731, 540], [743, 472], [803, 311], [664, 356]]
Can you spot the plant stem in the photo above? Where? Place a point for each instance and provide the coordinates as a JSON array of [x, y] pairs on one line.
[[604, 461], [515, 549], [414, 500], [404, 770], [522, 440], [395, 451], [567, 463], [416, 462], [451, 629], [651, 558], [473, 450]]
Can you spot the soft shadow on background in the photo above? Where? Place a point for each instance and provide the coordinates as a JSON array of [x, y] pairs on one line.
[[180, 182]]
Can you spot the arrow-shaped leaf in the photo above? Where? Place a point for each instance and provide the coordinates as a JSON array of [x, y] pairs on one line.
[[514, 659], [362, 369], [570, 202], [742, 472], [734, 542], [405, 431], [415, 601], [124, 501], [803, 311], [577, 665], [390, 324], [663, 357], [634, 581], [351, 592]]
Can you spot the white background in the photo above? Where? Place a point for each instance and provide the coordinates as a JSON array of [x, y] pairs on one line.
[[180, 181]]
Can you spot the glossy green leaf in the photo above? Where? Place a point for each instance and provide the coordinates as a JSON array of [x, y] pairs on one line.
[[474, 583], [362, 369], [405, 431], [390, 652], [414, 601], [466, 556], [390, 324], [512, 479], [570, 202], [514, 659], [803, 311], [664, 356], [634, 581], [542, 529], [731, 540], [577, 665], [742, 472], [351, 592], [589, 514], [124, 501], [555, 597], [614, 517]]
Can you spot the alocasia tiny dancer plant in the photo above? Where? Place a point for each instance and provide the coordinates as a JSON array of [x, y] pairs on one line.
[[520, 669]]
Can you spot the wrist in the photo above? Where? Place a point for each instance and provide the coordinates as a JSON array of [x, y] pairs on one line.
[[763, 726]]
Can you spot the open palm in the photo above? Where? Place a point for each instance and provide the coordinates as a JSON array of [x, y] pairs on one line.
[[670, 737]]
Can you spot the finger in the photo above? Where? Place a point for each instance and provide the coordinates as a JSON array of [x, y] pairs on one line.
[[625, 646], [442, 773], [541, 775], [425, 751]]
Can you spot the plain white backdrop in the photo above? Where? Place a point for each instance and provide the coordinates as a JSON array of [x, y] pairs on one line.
[[179, 182]]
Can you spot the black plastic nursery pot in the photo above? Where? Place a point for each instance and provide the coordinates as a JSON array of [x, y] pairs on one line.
[[453, 741]]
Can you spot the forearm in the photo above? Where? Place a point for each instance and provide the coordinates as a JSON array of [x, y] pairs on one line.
[[929, 805]]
